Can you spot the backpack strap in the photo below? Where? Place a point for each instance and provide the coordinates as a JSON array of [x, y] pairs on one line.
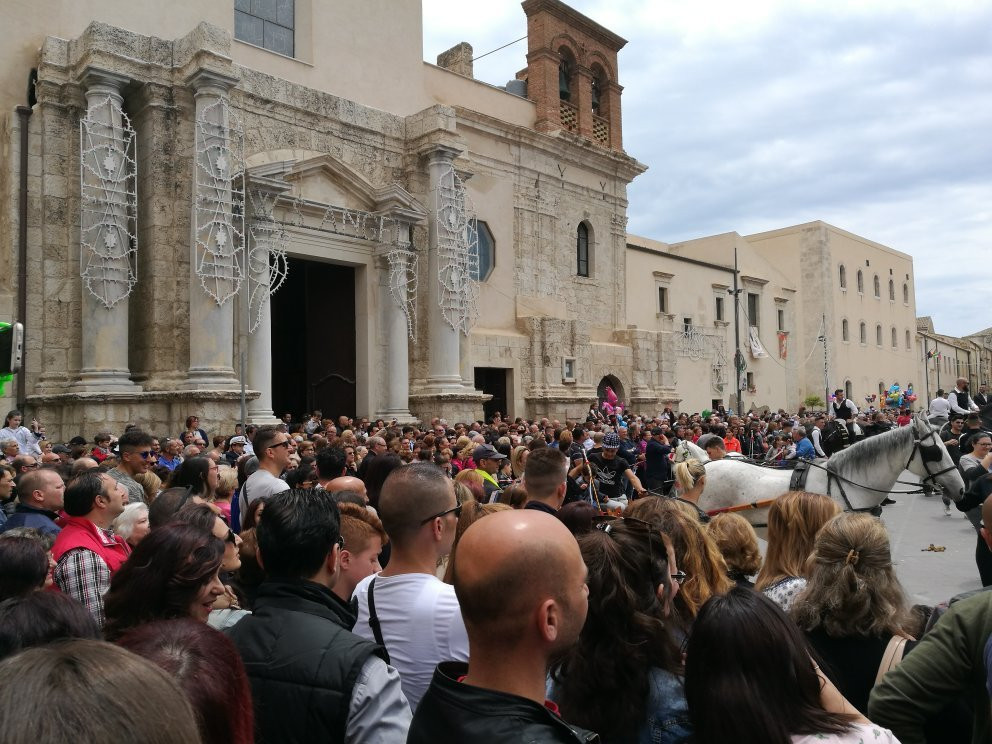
[[374, 620]]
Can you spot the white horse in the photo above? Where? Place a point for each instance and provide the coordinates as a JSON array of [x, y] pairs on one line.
[[858, 478]]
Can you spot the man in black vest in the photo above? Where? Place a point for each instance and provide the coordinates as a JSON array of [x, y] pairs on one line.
[[311, 679], [960, 400], [845, 410], [521, 586]]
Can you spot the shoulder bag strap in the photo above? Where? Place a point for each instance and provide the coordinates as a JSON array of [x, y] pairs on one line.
[[374, 620], [891, 657]]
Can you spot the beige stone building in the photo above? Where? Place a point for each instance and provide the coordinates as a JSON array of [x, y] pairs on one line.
[[796, 286], [443, 246], [943, 359]]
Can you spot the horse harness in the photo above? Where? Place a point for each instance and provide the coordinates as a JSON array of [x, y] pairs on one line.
[[928, 453]]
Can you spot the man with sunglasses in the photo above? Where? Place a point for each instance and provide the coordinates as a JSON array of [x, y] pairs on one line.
[[135, 447], [406, 608], [272, 448]]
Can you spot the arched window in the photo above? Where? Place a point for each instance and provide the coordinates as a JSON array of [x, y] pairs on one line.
[[844, 330], [895, 340], [877, 285], [905, 294], [861, 282], [864, 332], [486, 248], [892, 291], [582, 250], [565, 69], [843, 277], [909, 340], [878, 334]]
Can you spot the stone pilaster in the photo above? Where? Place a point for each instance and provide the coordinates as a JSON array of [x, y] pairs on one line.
[[104, 341], [211, 327]]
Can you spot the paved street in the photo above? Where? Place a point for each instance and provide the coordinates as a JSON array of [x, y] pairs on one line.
[[913, 523]]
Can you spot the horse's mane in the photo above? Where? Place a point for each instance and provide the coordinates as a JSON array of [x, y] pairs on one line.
[[860, 456]]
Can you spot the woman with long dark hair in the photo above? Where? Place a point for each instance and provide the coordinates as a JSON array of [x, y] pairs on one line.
[[200, 474], [749, 679], [623, 678], [172, 573]]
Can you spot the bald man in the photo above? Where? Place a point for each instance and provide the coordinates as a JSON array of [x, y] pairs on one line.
[[521, 584], [406, 608], [347, 483]]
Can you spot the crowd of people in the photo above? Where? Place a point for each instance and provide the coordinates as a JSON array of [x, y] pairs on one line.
[[508, 580]]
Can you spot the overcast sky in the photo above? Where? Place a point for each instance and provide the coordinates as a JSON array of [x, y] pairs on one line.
[[873, 116]]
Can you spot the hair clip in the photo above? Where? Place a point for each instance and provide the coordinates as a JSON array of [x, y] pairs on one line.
[[605, 527]]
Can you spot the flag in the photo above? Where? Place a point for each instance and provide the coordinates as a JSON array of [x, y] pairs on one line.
[[783, 344], [757, 350]]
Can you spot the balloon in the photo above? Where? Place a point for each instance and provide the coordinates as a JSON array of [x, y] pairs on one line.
[[611, 396]]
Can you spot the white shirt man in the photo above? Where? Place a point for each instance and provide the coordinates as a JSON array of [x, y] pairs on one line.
[[272, 449], [419, 620], [940, 407]]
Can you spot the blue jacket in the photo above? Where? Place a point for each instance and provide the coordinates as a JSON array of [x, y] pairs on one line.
[[37, 519], [804, 449]]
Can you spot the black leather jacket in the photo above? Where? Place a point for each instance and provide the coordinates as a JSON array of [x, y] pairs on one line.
[[455, 712]]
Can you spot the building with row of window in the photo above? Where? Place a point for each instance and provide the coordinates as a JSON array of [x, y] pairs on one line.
[[802, 330], [944, 359], [251, 193]]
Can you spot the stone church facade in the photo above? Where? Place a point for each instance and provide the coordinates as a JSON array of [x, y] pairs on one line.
[[433, 245]]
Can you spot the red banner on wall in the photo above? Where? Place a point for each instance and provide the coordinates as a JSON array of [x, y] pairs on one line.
[[783, 344]]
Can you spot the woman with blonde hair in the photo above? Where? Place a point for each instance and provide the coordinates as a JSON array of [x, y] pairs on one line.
[[518, 458], [690, 480], [150, 483], [794, 520], [737, 542], [695, 553], [473, 481], [463, 454], [853, 604]]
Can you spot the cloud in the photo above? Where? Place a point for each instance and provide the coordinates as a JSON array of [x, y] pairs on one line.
[[873, 116]]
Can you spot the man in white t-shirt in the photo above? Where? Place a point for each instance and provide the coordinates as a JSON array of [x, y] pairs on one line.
[[419, 621], [272, 450]]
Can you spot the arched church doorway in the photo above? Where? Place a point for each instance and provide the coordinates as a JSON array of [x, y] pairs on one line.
[[313, 340], [609, 381]]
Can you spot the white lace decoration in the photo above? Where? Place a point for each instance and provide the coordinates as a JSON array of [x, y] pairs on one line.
[[219, 202], [267, 262], [458, 253], [108, 203], [403, 284]]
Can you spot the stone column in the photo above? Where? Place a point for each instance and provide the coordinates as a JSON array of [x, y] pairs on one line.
[[394, 324], [259, 361], [259, 358], [104, 343], [211, 325], [444, 373]]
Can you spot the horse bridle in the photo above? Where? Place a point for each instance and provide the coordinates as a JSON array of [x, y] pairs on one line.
[[928, 453]]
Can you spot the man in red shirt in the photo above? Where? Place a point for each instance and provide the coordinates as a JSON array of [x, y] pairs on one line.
[[86, 553]]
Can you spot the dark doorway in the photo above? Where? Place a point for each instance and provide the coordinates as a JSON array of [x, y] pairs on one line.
[[492, 381], [611, 382], [313, 340]]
